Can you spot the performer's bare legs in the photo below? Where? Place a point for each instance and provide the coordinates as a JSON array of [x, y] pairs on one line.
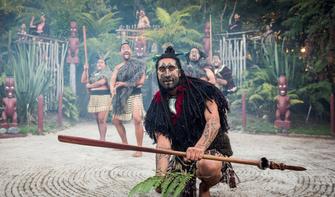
[[137, 116], [120, 129], [209, 172], [101, 118]]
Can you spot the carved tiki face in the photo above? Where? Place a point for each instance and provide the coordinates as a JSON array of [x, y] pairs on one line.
[[282, 85], [9, 87], [73, 28], [139, 47]]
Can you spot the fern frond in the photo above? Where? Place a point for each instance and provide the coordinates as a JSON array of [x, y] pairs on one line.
[[167, 181], [146, 185], [163, 16], [183, 182], [173, 182]]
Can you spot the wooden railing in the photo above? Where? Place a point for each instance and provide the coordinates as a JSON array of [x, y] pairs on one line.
[[53, 51]]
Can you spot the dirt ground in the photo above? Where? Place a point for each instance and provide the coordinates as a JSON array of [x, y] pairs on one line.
[[42, 166]]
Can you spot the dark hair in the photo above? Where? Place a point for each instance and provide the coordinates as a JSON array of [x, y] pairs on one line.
[[169, 53], [202, 55], [218, 55], [124, 43]]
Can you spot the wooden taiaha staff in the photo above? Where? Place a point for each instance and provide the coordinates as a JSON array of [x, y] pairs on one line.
[[210, 40], [263, 163], [85, 47]]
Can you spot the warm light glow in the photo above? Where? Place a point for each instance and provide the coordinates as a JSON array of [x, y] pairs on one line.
[[303, 50]]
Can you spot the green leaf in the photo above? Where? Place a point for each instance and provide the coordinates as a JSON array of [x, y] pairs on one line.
[[146, 185]]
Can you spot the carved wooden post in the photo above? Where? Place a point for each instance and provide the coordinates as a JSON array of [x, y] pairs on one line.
[[332, 114], [60, 110], [244, 113], [40, 115]]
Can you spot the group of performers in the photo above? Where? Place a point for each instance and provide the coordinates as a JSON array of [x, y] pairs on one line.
[[188, 112]]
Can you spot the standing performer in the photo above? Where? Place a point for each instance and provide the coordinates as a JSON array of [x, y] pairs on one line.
[[143, 20], [100, 99], [224, 78], [198, 67], [188, 114], [40, 29], [127, 79]]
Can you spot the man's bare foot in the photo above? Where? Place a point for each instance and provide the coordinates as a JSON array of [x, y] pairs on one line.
[[137, 154]]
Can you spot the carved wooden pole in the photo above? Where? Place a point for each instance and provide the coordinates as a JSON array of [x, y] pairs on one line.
[[40, 114], [60, 110], [332, 114], [244, 113], [210, 39]]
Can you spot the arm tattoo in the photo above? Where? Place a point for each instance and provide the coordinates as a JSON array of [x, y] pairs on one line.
[[162, 161], [210, 132]]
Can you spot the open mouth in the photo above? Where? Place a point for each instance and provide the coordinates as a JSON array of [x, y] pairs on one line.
[[168, 81]]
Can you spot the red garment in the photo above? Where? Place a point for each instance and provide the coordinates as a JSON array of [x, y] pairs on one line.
[[179, 102]]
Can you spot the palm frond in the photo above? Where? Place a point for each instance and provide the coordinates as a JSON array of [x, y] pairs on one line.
[[163, 16]]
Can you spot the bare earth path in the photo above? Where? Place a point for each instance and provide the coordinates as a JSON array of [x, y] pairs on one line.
[[42, 166]]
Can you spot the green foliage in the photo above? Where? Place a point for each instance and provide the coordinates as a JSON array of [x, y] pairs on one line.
[[172, 184], [105, 44], [312, 24], [316, 94], [99, 24], [70, 109], [263, 125], [31, 79], [28, 129], [261, 86], [173, 29], [100, 39], [278, 59]]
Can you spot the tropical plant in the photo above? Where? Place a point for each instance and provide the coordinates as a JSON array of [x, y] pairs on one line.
[[173, 30], [317, 96], [70, 109], [262, 88], [31, 79], [311, 23], [171, 184], [100, 24], [106, 45], [100, 37]]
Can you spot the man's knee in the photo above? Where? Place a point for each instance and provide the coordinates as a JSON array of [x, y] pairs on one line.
[[101, 120], [116, 121], [208, 168], [137, 118]]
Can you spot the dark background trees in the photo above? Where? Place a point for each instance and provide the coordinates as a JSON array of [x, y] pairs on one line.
[[297, 24]]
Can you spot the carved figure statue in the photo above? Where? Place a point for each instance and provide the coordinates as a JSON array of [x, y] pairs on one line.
[[72, 53], [9, 103], [23, 32], [140, 47], [283, 104]]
